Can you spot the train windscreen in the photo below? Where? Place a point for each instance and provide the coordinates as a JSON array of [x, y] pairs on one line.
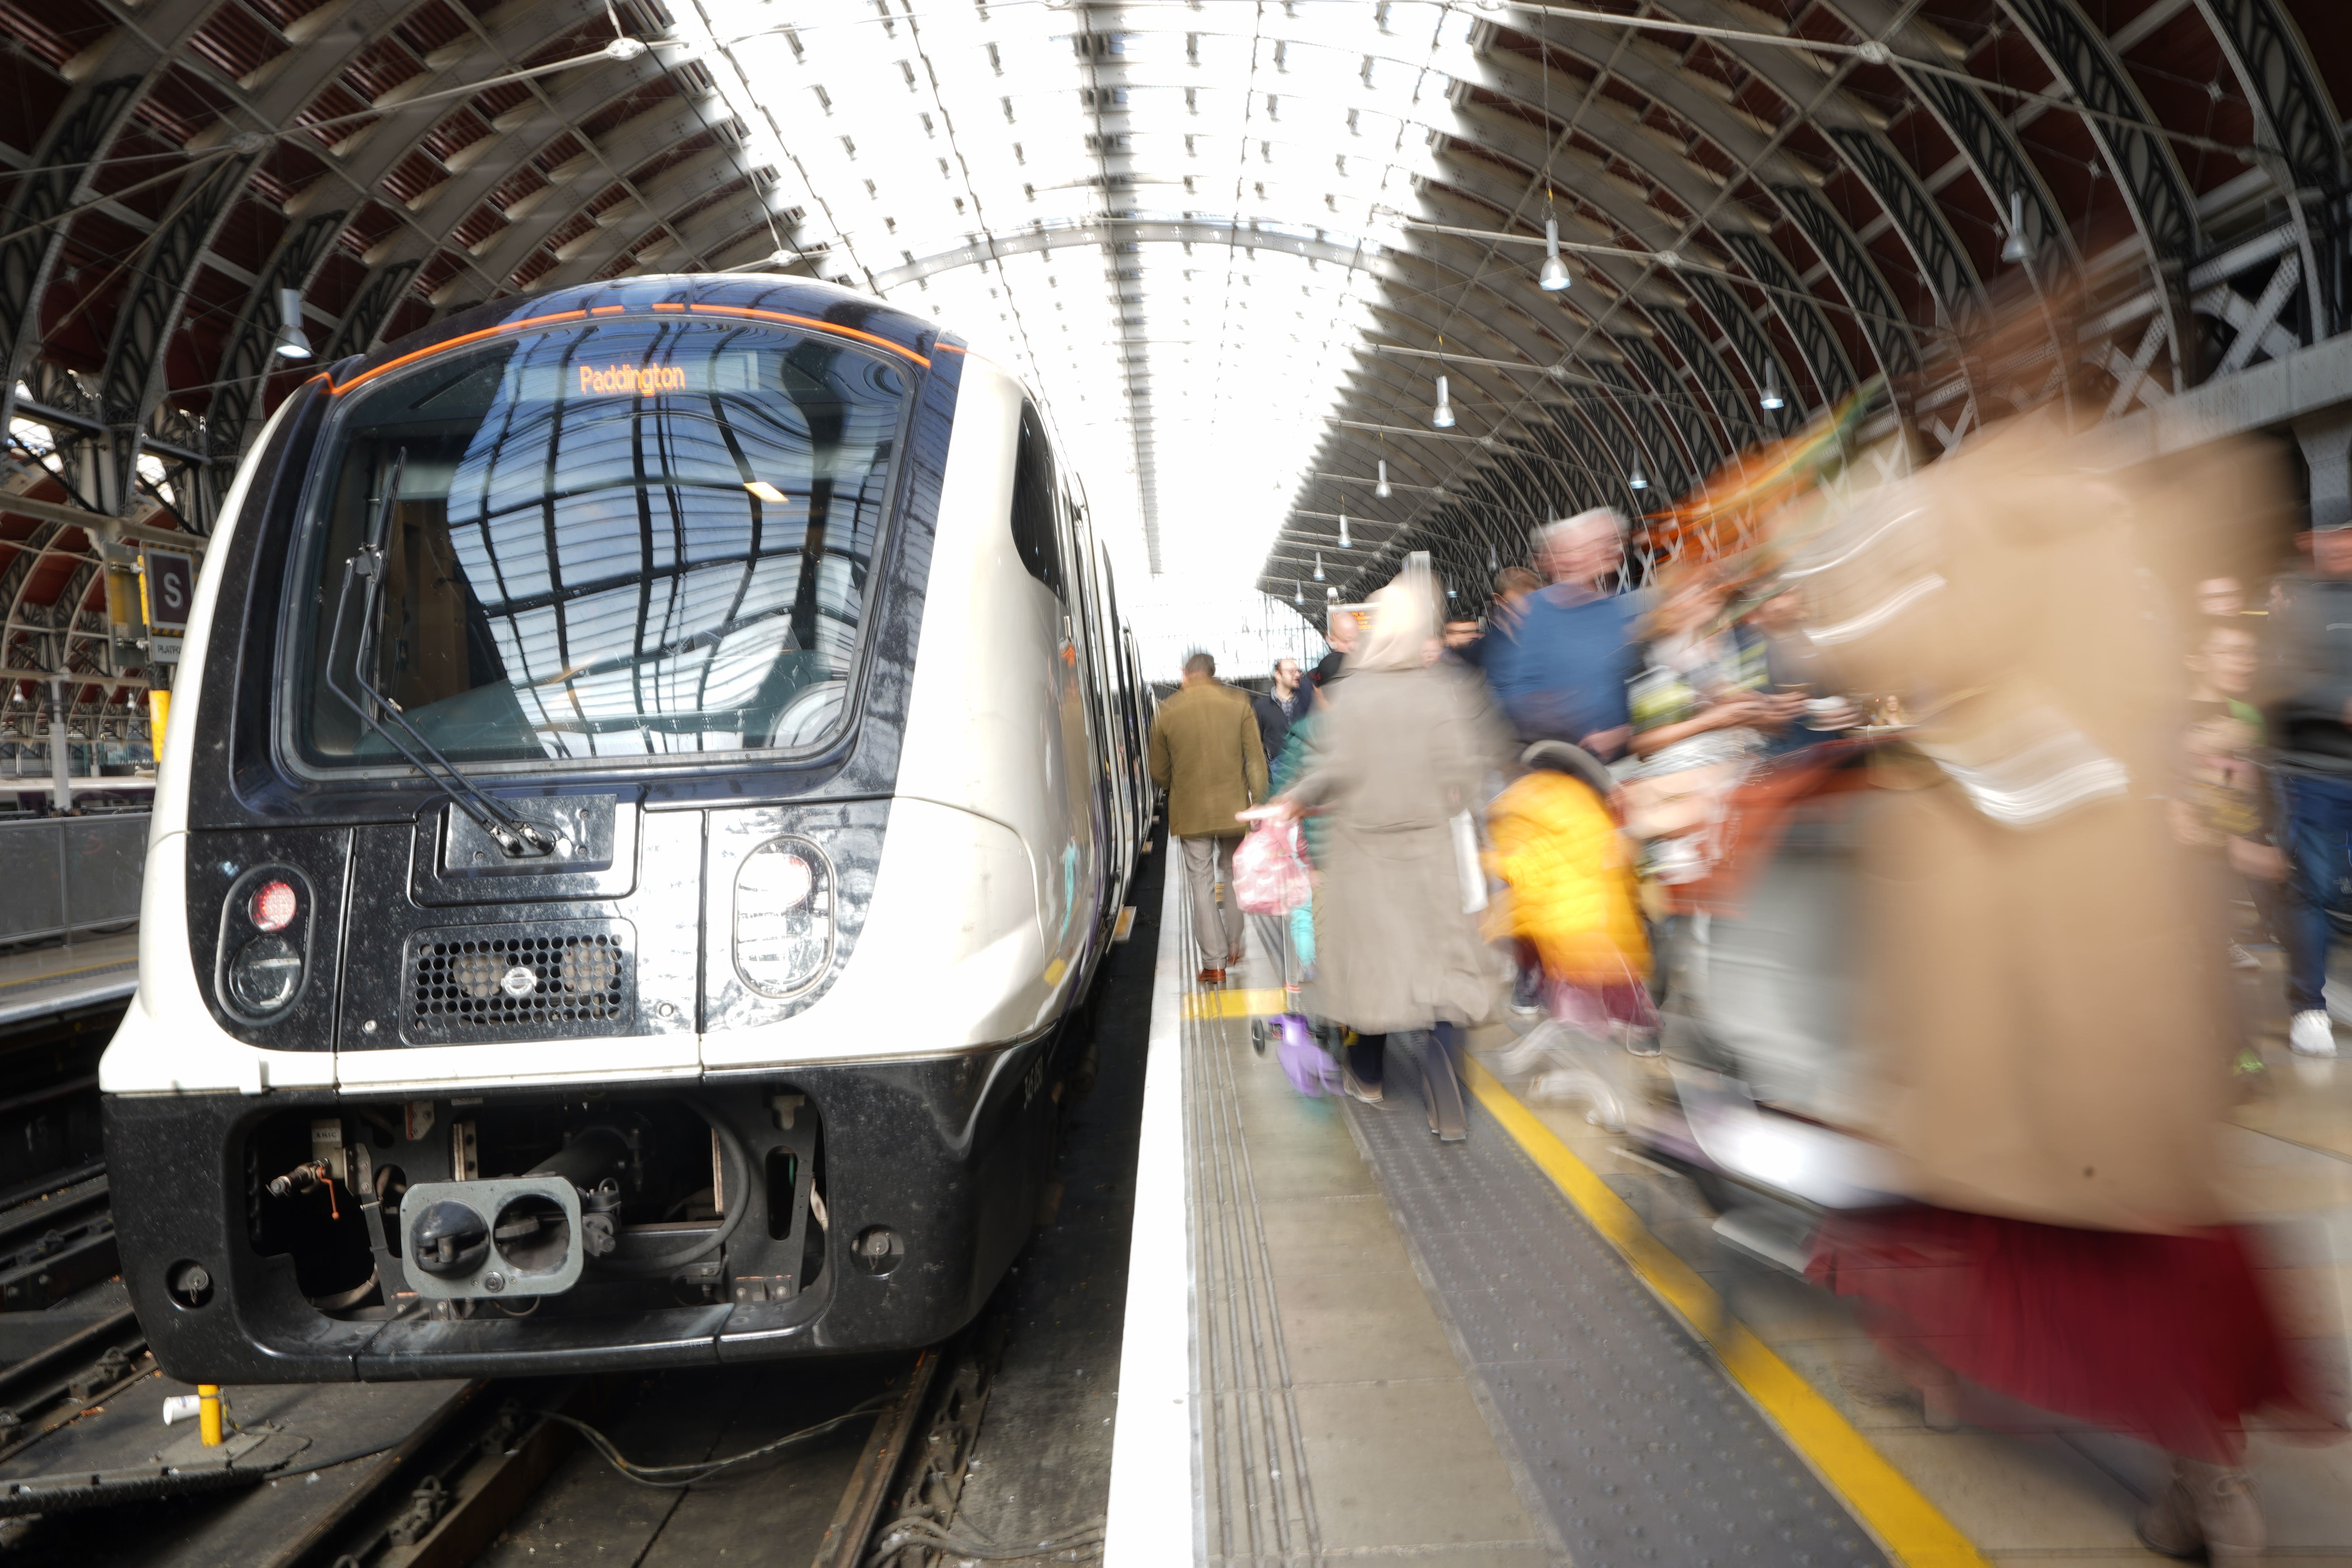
[[633, 538]]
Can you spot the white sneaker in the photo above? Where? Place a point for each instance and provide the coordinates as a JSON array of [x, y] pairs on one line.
[[1530, 1052], [2312, 1034]]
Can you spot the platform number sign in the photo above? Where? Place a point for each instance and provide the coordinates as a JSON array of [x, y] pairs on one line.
[[170, 584]]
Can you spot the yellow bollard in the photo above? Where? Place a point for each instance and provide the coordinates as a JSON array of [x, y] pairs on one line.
[[208, 1413]]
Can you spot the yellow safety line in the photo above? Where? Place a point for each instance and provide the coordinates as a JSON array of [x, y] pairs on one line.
[[1914, 1529], [1234, 1003]]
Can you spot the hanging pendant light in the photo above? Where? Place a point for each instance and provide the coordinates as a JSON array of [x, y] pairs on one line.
[[2012, 249], [291, 343], [1771, 401], [1553, 277], [1344, 541], [1494, 562], [1381, 489], [1318, 567], [1297, 592], [1442, 417], [1636, 482]]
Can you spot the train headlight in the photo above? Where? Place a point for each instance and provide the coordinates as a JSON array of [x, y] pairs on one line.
[[264, 974], [783, 917], [265, 944]]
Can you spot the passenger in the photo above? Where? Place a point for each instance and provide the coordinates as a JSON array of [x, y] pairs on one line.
[[2040, 994], [1206, 754], [1298, 753], [2310, 734], [1812, 704], [1281, 706], [1400, 755], [1699, 713], [1573, 898], [2220, 597], [1497, 635], [1565, 680], [1341, 633], [2218, 813]]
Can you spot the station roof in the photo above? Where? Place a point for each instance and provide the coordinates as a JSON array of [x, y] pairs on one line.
[[1232, 244]]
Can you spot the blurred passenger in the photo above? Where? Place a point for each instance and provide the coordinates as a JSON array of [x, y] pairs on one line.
[[1573, 895], [2046, 1006], [1566, 679], [2219, 813], [1399, 754], [2220, 597], [2310, 747], [1498, 635], [1279, 708], [1699, 715], [1297, 752], [1812, 704], [1341, 633], [1206, 754]]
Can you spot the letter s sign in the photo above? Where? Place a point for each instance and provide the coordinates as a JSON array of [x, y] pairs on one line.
[[171, 590]]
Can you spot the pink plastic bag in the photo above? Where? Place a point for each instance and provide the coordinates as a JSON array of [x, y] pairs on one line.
[[1269, 873]]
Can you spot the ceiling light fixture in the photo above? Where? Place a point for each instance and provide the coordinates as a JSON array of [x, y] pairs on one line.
[[1318, 567], [2012, 249], [1443, 416], [1344, 541], [1771, 401], [1553, 275], [290, 344], [1381, 488], [1635, 482]]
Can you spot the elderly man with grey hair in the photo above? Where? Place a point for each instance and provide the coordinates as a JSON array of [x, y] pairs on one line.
[[1572, 648]]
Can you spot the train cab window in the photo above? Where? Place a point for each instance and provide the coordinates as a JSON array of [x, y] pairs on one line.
[[1035, 532], [631, 538]]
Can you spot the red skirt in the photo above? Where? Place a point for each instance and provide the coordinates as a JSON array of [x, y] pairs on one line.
[[2167, 1338]]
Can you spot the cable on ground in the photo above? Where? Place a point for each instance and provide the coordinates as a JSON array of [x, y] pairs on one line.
[[964, 1539], [687, 1475]]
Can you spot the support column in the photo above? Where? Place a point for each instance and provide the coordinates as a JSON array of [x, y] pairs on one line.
[[2325, 438], [60, 752]]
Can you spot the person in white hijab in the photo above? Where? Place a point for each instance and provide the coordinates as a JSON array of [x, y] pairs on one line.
[[1404, 751]]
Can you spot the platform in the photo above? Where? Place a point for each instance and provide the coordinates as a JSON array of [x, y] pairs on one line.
[[53, 981], [1518, 1349]]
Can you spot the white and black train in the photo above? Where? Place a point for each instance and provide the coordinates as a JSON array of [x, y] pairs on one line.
[[656, 768]]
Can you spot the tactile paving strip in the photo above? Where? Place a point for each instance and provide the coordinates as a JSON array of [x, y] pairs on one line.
[[1640, 1447]]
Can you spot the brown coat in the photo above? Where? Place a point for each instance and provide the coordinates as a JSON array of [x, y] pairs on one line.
[[2046, 1004], [1205, 752]]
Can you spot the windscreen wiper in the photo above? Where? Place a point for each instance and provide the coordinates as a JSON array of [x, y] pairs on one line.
[[510, 831]]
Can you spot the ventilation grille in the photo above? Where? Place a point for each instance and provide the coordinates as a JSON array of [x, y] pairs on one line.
[[555, 981]]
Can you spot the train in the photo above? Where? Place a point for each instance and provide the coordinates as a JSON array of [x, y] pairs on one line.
[[653, 772]]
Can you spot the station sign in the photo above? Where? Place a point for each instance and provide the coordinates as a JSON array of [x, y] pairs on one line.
[[167, 592]]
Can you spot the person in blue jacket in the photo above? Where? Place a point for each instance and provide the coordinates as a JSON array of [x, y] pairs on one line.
[[1573, 647]]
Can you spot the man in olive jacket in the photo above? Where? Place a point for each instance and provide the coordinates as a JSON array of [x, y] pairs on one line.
[[1206, 754]]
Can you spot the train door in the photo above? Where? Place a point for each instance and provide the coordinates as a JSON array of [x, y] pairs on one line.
[[1075, 881]]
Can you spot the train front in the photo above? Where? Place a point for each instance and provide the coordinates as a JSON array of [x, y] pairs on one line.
[[538, 971]]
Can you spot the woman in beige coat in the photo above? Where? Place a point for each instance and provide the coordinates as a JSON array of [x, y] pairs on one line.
[[2045, 1006], [1403, 751]]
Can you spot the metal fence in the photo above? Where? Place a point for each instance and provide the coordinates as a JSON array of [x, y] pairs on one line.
[[65, 873]]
